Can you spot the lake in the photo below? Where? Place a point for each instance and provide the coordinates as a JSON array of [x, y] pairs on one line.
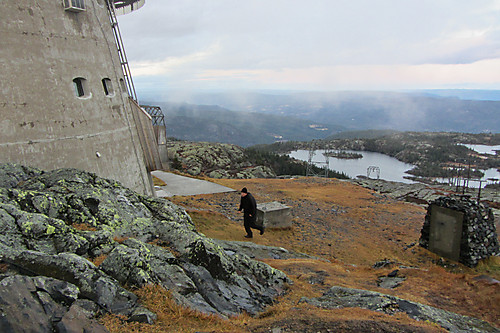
[[483, 149], [390, 168]]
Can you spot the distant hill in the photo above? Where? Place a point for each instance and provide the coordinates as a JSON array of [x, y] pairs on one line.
[[365, 134], [216, 124], [416, 111], [469, 94]]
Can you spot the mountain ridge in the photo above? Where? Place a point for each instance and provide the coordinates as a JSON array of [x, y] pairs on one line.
[[212, 123], [403, 111]]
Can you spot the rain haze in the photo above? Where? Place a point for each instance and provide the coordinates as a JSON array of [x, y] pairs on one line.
[[314, 45]]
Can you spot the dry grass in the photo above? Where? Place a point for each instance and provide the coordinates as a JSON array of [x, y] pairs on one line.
[[157, 181], [3, 267], [333, 219], [287, 312], [171, 316], [98, 260], [490, 266], [83, 227], [120, 240], [215, 225], [352, 228]]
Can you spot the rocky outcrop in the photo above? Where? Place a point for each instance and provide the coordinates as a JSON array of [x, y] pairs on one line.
[[424, 194], [261, 251], [416, 193], [53, 224], [215, 160], [41, 304], [340, 297]]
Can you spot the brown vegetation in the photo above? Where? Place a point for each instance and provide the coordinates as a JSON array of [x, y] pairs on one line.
[[99, 259], [157, 181], [120, 240], [3, 267], [349, 228], [83, 227]]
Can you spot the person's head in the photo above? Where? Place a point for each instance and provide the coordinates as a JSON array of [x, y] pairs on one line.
[[244, 192]]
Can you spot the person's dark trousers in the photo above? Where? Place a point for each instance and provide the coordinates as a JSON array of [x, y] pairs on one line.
[[249, 222]]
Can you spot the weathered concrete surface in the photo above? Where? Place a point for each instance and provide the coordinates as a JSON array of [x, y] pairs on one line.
[[44, 123], [181, 185], [340, 297], [274, 215]]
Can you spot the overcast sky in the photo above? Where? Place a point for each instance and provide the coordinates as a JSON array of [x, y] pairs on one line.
[[314, 44]]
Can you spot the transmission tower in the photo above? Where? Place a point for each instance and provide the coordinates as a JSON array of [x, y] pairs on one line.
[[373, 168], [310, 164]]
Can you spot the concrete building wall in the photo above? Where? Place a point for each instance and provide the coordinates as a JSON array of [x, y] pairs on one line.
[[147, 137], [43, 122], [161, 135]]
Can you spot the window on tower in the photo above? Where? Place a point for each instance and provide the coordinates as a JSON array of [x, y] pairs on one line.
[[108, 87], [81, 89]]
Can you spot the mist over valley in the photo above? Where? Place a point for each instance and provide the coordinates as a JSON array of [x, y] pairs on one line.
[[248, 118]]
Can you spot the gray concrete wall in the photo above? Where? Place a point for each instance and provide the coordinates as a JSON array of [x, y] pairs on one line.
[[161, 136], [43, 123], [147, 137]]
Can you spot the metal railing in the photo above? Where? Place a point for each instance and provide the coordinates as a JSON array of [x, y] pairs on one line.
[[121, 50]]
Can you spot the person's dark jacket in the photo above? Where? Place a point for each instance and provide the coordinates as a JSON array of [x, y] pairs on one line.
[[248, 205]]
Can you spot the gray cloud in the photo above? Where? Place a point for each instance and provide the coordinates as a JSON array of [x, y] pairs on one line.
[[227, 35]]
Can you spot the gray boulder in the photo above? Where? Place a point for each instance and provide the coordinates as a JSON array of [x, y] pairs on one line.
[[340, 297], [77, 319], [258, 251], [91, 281], [40, 304], [20, 307], [53, 223]]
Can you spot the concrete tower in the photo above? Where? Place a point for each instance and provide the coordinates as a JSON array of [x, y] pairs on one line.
[[64, 98]]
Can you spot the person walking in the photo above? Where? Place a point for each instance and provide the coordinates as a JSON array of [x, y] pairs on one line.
[[249, 207]]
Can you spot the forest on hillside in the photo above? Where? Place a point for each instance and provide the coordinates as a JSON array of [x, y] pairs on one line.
[[433, 154]]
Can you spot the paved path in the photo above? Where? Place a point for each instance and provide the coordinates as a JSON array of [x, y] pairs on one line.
[[180, 185]]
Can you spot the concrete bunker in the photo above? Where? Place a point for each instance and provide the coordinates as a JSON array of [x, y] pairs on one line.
[[460, 229]]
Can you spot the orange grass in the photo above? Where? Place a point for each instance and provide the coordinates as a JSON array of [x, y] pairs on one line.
[[120, 240], [172, 317], [83, 227], [98, 260], [366, 228], [157, 181], [352, 228]]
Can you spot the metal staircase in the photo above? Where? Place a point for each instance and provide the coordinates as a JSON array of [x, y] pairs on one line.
[[121, 50]]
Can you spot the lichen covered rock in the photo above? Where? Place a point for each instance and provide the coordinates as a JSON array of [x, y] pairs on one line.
[[216, 160], [53, 224], [341, 297]]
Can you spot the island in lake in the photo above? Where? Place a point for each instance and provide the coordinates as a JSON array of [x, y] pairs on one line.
[[343, 154]]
